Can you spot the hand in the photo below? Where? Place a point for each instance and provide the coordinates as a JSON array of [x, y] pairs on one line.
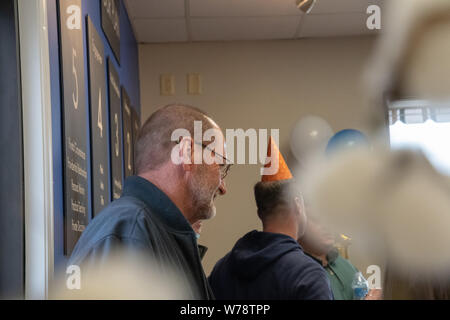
[[374, 294]]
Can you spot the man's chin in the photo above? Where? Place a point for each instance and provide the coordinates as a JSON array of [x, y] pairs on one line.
[[211, 212], [208, 213]]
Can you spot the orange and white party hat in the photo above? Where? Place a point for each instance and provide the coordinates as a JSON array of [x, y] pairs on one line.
[[283, 172]]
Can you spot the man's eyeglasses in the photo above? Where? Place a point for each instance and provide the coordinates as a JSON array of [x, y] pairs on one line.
[[224, 167]]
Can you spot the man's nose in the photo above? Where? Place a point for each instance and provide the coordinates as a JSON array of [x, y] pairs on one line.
[[222, 187]]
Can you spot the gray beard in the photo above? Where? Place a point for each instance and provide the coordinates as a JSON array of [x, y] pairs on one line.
[[204, 211], [203, 206]]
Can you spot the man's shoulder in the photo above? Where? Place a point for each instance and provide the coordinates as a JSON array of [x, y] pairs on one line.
[[342, 262], [302, 267], [220, 264], [125, 219], [300, 261], [306, 277], [120, 217], [125, 202]]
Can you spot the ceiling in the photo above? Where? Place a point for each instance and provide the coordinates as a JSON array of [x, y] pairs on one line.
[[157, 21]]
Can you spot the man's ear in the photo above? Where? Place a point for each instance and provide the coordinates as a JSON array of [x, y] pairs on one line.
[[186, 153]]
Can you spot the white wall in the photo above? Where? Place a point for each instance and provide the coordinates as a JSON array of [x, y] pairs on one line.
[[264, 84], [37, 145]]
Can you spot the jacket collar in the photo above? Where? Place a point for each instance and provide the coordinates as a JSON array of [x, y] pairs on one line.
[[158, 202]]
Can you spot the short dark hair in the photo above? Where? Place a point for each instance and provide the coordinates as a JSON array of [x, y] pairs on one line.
[[154, 145], [271, 196]]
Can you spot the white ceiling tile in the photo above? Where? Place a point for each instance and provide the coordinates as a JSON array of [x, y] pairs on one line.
[[235, 8], [335, 25], [340, 6], [217, 20], [255, 28], [161, 30], [155, 8]]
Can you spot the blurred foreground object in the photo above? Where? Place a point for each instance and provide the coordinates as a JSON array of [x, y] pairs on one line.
[[411, 59], [411, 63], [430, 136], [320, 244], [395, 200], [125, 276], [342, 244], [400, 284]]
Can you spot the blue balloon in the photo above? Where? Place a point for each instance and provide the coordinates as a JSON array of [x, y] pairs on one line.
[[346, 139]]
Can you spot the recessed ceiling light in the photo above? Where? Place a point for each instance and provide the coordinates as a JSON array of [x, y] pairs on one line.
[[305, 5]]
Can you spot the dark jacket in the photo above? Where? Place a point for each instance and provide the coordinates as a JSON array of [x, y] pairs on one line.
[[265, 265], [144, 220]]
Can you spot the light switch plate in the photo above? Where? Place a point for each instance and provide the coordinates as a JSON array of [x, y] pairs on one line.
[[167, 85], [194, 84]]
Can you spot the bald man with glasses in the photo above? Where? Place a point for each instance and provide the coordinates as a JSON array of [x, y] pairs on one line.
[[160, 204]]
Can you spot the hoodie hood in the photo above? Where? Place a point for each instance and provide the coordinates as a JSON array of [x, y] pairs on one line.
[[256, 251]]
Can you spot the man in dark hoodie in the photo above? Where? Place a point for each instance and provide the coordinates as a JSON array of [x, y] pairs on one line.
[[271, 264]]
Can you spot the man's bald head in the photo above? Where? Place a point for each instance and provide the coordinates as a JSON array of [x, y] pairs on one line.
[[154, 145]]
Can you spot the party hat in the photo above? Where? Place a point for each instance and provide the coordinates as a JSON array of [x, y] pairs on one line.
[[283, 172]]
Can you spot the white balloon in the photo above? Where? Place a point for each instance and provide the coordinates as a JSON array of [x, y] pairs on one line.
[[310, 137]]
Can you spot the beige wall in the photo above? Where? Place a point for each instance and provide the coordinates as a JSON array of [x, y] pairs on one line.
[[266, 84]]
